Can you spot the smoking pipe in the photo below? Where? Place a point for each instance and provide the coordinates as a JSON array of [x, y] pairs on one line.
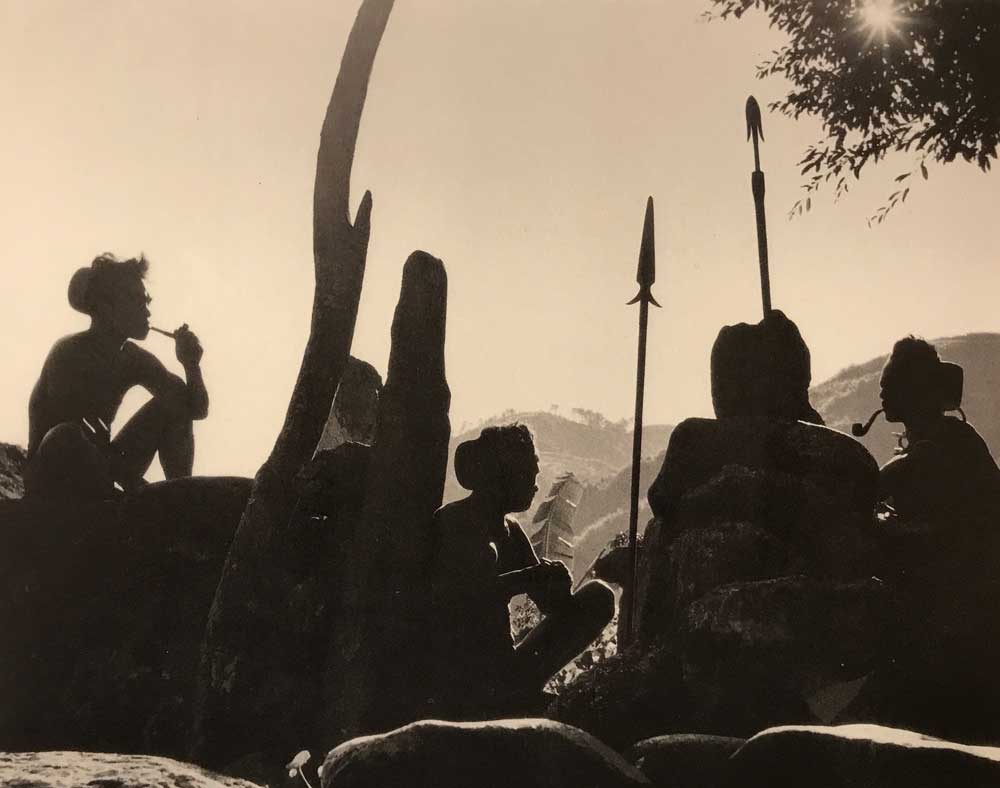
[[859, 430]]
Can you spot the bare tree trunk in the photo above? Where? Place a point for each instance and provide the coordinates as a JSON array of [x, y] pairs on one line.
[[254, 663]]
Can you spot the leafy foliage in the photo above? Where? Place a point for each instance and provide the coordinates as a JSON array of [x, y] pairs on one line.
[[916, 76]]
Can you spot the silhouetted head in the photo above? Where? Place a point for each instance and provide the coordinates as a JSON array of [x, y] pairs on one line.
[[910, 387], [501, 465], [112, 293]]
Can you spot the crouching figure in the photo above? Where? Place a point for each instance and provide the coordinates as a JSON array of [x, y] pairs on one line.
[[482, 559]]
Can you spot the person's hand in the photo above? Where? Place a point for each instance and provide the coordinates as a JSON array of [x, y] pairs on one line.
[[187, 347], [559, 575], [555, 580]]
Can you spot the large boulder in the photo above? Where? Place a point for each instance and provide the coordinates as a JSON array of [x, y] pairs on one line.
[[762, 371], [699, 449], [740, 501], [788, 637], [754, 591], [103, 608], [634, 695], [685, 759], [106, 770], [527, 753], [698, 561], [851, 756]]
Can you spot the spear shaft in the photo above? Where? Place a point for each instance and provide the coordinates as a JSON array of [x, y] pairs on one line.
[[645, 276], [755, 130]]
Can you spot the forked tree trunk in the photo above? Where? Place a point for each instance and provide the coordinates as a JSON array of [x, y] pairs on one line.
[[253, 666]]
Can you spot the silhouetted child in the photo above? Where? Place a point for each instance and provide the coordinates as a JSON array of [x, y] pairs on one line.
[[482, 559], [86, 376]]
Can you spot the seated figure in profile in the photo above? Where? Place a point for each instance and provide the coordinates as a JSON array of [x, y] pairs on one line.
[[945, 473], [84, 379], [482, 559]]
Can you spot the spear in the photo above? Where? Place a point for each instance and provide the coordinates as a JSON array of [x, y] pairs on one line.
[[645, 276], [755, 130]]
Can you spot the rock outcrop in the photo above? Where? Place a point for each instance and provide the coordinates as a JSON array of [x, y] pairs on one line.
[[103, 770], [755, 586], [103, 608], [687, 760], [856, 755], [527, 753]]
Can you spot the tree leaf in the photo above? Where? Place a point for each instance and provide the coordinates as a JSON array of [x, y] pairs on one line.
[[923, 170]]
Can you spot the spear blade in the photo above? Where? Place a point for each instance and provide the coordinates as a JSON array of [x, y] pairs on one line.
[[646, 273]]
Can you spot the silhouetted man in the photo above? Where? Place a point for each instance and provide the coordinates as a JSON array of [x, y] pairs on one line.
[[86, 376], [482, 559], [946, 473]]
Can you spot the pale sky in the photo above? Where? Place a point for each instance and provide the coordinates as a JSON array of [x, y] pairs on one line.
[[516, 140]]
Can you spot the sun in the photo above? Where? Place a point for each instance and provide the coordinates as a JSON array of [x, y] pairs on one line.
[[879, 18]]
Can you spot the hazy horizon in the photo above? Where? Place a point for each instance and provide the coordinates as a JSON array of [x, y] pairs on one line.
[[518, 142]]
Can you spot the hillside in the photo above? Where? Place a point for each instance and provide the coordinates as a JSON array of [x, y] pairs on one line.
[[853, 393]]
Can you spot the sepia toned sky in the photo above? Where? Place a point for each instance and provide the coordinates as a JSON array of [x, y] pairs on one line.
[[517, 141]]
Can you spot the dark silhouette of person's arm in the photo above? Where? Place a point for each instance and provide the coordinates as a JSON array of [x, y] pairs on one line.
[[190, 396], [465, 566], [547, 583]]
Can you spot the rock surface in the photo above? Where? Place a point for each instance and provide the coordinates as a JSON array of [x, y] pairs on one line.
[[631, 696], [754, 589], [851, 756], [687, 760], [701, 448], [102, 610], [762, 371], [374, 678], [526, 753], [103, 770], [355, 406]]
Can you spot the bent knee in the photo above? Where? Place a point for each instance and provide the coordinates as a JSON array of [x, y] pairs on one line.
[[68, 461], [597, 598], [65, 439]]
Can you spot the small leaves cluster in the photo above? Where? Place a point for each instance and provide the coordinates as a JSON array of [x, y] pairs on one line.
[[927, 87]]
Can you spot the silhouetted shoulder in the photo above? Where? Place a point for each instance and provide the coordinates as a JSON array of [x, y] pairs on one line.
[[451, 514], [69, 346], [139, 357]]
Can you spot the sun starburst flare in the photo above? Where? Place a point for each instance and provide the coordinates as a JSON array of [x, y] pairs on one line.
[[880, 19]]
